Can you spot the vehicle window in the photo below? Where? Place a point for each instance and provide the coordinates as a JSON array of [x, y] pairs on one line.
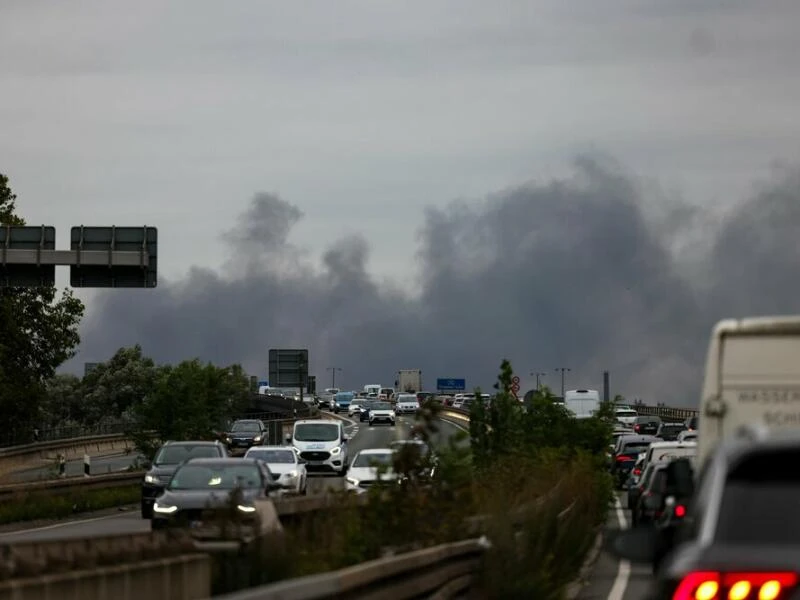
[[693, 423], [381, 406], [648, 473], [658, 481], [634, 448], [760, 500], [173, 455], [245, 427], [272, 456], [201, 477], [316, 432], [626, 413], [370, 460]]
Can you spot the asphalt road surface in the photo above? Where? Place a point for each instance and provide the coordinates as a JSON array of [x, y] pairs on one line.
[[363, 437], [614, 579]]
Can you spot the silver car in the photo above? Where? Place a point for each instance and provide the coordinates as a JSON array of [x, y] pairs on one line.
[[286, 467]]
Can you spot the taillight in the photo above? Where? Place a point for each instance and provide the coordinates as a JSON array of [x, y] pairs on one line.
[[680, 511], [637, 471], [636, 427], [623, 458], [711, 585]]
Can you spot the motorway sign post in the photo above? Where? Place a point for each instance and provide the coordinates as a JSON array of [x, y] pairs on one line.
[[99, 257], [288, 369], [451, 385]]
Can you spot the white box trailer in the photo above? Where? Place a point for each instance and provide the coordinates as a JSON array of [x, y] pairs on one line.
[[752, 378]]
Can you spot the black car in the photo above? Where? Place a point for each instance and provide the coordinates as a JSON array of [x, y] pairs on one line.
[[200, 491], [669, 431], [244, 434], [646, 425], [166, 460]]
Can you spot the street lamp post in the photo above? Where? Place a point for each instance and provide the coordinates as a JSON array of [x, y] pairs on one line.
[[333, 375], [563, 371], [538, 380]]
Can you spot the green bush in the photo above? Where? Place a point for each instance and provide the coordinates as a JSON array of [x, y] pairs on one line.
[[39, 505]]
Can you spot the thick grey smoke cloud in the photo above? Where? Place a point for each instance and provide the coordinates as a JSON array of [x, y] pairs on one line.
[[579, 272]]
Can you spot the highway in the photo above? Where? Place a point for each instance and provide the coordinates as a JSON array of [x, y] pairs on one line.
[[611, 578], [363, 436]]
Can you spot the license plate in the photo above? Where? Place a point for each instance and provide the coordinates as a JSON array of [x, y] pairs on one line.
[[316, 463]]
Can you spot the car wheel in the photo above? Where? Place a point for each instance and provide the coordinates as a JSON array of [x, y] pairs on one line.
[[147, 511]]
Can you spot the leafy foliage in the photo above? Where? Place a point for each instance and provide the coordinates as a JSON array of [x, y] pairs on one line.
[[38, 332]]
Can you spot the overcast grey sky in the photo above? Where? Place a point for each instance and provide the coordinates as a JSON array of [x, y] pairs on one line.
[[364, 114]]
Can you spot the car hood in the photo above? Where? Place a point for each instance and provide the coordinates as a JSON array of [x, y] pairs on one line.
[[283, 468], [200, 499], [322, 446], [243, 435], [381, 411], [370, 474]]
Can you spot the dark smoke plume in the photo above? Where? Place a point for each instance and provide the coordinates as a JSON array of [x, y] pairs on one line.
[[579, 272]]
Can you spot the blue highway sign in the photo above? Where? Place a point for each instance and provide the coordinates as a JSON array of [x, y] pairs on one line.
[[451, 385]]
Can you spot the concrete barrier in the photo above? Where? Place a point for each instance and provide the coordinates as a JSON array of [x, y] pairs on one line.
[[441, 572], [45, 454], [178, 578]]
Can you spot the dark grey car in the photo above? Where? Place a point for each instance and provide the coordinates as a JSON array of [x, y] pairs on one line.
[[200, 490]]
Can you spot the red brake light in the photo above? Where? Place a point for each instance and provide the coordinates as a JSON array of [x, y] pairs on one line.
[[711, 585], [636, 427], [623, 458], [680, 511], [637, 471]]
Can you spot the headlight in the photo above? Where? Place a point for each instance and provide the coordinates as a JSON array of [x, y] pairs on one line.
[[163, 509], [296, 449], [246, 509], [392, 414], [292, 474], [352, 481], [257, 439], [227, 439], [335, 451], [150, 478]]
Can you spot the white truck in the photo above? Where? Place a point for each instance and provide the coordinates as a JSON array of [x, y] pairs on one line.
[[409, 381], [752, 378], [373, 388], [582, 403]]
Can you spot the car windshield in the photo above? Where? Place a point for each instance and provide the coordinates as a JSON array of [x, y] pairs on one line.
[[245, 427], [381, 406], [272, 456], [176, 454], [373, 459], [316, 432], [216, 477], [420, 446]]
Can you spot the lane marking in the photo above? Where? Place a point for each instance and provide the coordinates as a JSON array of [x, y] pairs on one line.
[[624, 571], [66, 524], [456, 425]]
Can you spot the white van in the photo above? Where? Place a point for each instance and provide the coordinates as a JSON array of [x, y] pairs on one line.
[[752, 378], [582, 403], [322, 444]]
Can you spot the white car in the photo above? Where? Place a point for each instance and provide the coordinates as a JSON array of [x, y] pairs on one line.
[[626, 416], [370, 467], [381, 412], [355, 409], [284, 464], [407, 403]]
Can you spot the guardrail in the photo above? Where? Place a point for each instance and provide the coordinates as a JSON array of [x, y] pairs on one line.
[[440, 572], [666, 413]]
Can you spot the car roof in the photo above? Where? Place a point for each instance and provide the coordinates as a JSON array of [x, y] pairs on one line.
[[675, 444], [271, 448], [192, 443], [377, 451], [222, 462], [638, 438], [317, 422]]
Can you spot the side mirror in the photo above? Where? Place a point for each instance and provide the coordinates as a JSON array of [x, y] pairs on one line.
[[288, 438], [147, 464], [302, 461], [345, 438], [637, 545], [274, 486]]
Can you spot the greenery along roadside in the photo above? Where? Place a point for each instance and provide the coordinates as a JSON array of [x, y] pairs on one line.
[[535, 472], [33, 506]]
